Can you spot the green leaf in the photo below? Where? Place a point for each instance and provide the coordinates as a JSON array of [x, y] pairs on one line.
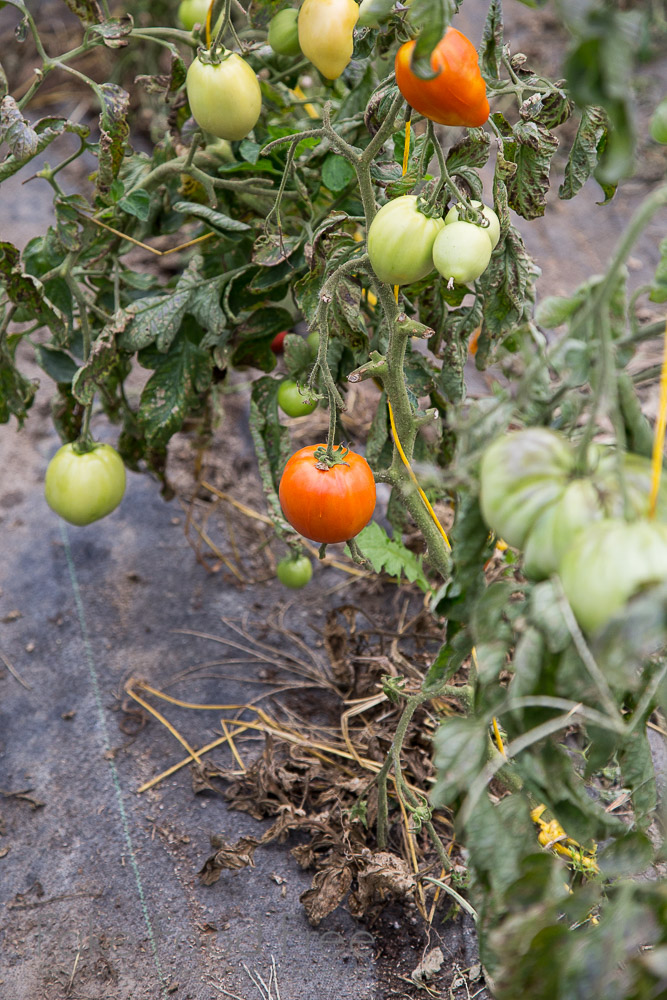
[[337, 173], [177, 384], [249, 150], [216, 220], [658, 291], [298, 357], [57, 364], [460, 746], [587, 147], [507, 289], [138, 204], [431, 18], [271, 439], [26, 291], [252, 338], [638, 774], [631, 854], [16, 391], [391, 556], [492, 42]]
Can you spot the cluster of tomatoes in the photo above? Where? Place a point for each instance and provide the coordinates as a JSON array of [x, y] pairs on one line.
[[589, 524], [405, 242]]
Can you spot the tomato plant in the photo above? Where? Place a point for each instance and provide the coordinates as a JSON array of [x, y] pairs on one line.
[[259, 178], [456, 95], [461, 252], [292, 401], [325, 34], [224, 96], [327, 503], [82, 487], [294, 571], [400, 241]]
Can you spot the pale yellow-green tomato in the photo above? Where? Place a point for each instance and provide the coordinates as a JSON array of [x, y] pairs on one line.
[[461, 252], [493, 228], [191, 12], [400, 241], [326, 34], [224, 98], [82, 488]]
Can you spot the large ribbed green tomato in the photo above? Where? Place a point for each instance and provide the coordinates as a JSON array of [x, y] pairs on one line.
[[224, 98], [326, 34], [327, 504], [534, 497], [461, 252], [608, 563], [400, 241], [82, 488]]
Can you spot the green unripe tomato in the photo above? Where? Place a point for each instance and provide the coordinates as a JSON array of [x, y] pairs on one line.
[[658, 124], [292, 402], [313, 341], [556, 528], [400, 241], [284, 33], [224, 98], [608, 563], [493, 228], [294, 571], [461, 252], [191, 12], [83, 488], [522, 474]]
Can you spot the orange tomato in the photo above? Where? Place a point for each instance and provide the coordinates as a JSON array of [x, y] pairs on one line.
[[327, 504], [457, 95]]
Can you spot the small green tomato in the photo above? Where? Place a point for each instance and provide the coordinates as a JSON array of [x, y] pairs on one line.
[[493, 228], [294, 571], [461, 252], [292, 402]]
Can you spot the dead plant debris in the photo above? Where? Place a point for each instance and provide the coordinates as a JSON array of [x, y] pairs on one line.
[[315, 775]]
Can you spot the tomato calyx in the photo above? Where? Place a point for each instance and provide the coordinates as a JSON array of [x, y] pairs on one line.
[[214, 57], [426, 209], [326, 460]]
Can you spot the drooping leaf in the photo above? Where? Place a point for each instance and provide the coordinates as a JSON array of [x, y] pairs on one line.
[[587, 147]]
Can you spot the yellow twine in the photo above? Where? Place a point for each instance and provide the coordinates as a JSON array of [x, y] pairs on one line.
[[659, 438]]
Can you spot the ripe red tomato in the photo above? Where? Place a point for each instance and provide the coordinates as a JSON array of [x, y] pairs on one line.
[[277, 342], [327, 504], [457, 95]]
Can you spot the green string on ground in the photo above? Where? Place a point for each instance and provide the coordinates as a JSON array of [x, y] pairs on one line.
[[92, 669]]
